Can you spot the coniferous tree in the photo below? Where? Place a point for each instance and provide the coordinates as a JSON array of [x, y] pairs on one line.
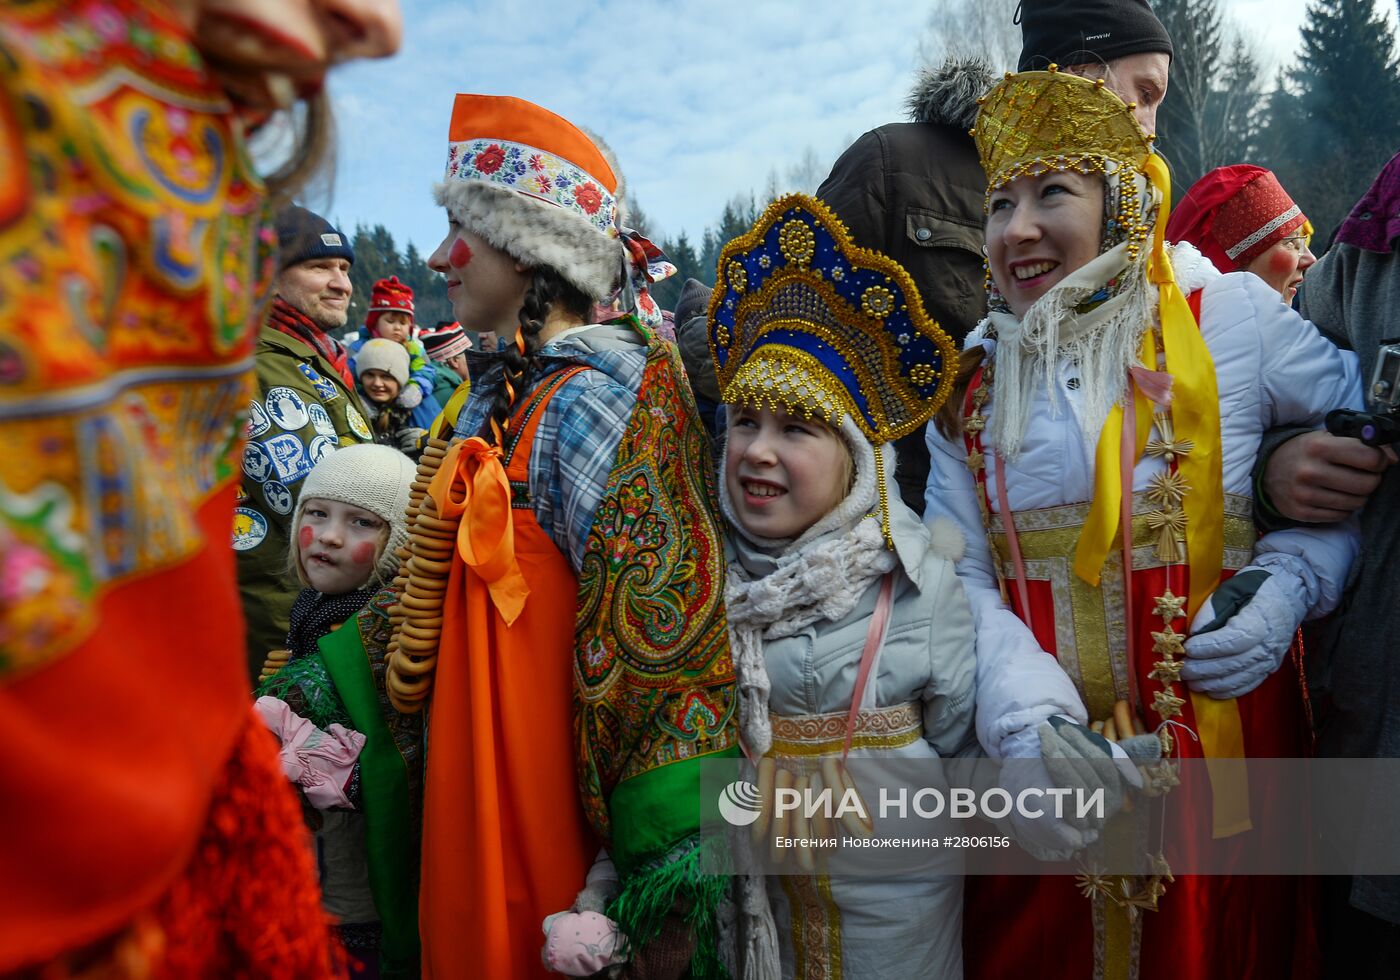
[[687, 262], [1210, 117], [738, 217], [1339, 121], [429, 290], [377, 257], [372, 262], [1194, 26]]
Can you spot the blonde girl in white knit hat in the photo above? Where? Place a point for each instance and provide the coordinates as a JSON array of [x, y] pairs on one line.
[[381, 373], [348, 523]]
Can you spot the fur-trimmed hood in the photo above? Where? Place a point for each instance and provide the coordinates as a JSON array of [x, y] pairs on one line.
[[540, 233], [947, 94]]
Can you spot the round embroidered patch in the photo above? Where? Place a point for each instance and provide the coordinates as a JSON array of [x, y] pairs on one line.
[[256, 462], [258, 422], [320, 448], [249, 528], [357, 424], [287, 409], [278, 497], [321, 420]]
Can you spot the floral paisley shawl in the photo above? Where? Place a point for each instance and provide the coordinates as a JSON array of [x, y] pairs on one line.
[[653, 679]]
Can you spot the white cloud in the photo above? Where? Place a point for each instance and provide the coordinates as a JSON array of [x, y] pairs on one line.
[[700, 101]]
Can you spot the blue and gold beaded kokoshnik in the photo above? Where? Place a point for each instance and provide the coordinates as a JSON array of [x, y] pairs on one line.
[[805, 321]]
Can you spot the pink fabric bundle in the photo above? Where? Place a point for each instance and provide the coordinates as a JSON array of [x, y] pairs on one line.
[[581, 943], [320, 762]]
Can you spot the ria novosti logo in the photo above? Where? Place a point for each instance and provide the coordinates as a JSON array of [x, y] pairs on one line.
[[740, 803]]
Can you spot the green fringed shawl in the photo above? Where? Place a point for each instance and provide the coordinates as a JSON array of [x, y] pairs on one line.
[[677, 882]]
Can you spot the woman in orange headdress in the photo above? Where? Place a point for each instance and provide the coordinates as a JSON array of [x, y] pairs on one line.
[[563, 604]]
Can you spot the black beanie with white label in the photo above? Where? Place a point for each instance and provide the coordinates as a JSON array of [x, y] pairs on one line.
[[304, 235], [1077, 32]]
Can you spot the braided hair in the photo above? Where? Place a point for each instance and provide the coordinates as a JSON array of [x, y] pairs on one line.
[[546, 288]]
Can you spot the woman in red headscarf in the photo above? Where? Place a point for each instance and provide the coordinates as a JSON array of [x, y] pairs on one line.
[[1243, 220]]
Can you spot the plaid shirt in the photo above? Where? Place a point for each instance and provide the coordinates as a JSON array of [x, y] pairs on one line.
[[576, 443]]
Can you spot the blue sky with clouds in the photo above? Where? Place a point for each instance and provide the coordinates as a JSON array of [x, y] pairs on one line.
[[700, 101]]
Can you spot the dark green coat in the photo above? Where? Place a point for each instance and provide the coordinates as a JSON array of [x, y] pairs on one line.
[[301, 411]]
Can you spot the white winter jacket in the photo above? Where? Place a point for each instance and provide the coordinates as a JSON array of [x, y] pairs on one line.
[[1272, 368]]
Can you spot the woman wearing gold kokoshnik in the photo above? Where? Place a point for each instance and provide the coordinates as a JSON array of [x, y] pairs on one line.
[[1109, 414]]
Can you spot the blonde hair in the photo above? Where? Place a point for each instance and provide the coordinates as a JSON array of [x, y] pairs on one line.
[[848, 458]]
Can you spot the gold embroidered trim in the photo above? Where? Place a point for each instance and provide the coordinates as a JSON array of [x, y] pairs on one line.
[[1090, 623], [816, 927], [880, 728]]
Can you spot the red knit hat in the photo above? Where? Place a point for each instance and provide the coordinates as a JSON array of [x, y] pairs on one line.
[[1234, 215], [388, 296]]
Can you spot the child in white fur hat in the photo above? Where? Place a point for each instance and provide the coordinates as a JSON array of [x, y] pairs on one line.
[[349, 522]]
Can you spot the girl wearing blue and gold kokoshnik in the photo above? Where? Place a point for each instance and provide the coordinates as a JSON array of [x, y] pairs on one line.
[[837, 595], [1103, 445]]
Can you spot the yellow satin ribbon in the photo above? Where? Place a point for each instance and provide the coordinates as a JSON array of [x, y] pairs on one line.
[[1101, 526], [446, 420], [471, 484], [1195, 411]]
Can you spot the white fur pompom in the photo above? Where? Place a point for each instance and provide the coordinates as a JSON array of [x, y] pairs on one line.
[[946, 540]]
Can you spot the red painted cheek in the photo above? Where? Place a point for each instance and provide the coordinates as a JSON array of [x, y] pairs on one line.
[[363, 553], [304, 536], [460, 255], [1282, 265]]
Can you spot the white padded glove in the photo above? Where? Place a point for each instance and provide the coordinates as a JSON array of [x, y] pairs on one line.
[[1241, 633], [411, 396], [1073, 757]]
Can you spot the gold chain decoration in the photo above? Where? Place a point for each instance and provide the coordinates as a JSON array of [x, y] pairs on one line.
[[420, 585], [974, 424]]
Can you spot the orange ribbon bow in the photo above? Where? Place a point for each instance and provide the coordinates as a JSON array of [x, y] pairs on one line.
[[471, 484]]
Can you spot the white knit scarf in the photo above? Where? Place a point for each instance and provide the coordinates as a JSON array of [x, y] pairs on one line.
[[821, 574], [823, 581]]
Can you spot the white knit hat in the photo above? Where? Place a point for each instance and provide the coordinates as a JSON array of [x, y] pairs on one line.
[[369, 476], [384, 355]]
